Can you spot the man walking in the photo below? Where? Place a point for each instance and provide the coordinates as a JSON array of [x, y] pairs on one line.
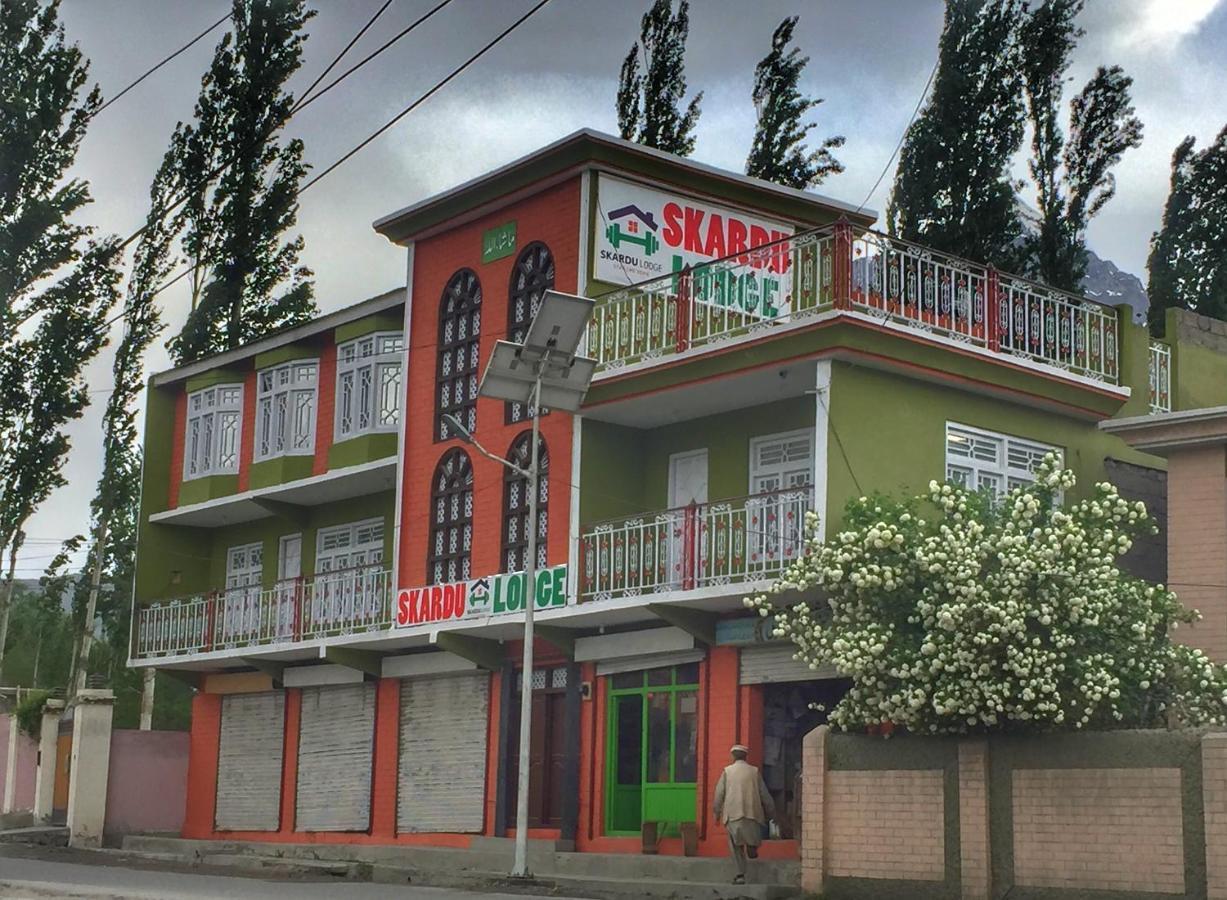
[[743, 807]]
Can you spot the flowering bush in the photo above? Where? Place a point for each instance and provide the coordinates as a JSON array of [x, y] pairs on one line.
[[952, 613]]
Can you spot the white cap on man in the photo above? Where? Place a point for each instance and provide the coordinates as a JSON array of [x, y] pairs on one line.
[[739, 748]]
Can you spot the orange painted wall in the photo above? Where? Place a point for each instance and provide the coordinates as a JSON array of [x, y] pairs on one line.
[[202, 766], [178, 436], [552, 217], [247, 435], [325, 419]]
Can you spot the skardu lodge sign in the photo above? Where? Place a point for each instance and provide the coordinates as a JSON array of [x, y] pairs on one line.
[[494, 595], [645, 233]]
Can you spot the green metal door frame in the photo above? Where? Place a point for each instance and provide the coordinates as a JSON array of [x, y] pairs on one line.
[[643, 690]]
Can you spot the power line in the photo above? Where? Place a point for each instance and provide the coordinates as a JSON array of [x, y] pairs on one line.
[[149, 72], [903, 136], [322, 75]]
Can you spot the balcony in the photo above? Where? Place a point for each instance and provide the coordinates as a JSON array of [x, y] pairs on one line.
[[834, 271], [1160, 377], [348, 601], [738, 541]]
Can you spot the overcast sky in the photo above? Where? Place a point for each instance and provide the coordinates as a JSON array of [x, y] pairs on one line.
[[869, 59]]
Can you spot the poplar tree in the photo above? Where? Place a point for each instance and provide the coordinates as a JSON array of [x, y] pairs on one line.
[[953, 190], [246, 280], [57, 280], [650, 102], [779, 153], [1073, 180], [1188, 263]]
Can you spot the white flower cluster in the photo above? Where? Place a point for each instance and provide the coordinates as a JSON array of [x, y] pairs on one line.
[[952, 614]]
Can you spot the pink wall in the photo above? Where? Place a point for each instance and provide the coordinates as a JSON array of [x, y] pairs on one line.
[[147, 782], [27, 764]]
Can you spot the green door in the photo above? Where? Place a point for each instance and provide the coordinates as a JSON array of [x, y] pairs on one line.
[[653, 747]]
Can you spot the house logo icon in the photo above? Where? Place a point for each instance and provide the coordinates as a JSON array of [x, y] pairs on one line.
[[625, 228]]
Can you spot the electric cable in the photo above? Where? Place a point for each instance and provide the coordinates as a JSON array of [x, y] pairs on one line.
[[149, 72]]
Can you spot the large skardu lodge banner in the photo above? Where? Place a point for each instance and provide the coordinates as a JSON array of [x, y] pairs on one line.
[[644, 233]]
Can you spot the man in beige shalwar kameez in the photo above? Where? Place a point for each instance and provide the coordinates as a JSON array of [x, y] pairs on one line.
[[743, 806]]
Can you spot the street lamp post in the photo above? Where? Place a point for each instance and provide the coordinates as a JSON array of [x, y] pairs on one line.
[[543, 371]]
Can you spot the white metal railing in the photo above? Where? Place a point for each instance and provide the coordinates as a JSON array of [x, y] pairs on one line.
[[740, 297], [173, 627], [347, 601], [718, 301], [1160, 377], [733, 541]]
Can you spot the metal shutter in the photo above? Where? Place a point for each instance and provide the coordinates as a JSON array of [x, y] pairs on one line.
[[249, 757], [335, 746], [774, 663], [441, 776]]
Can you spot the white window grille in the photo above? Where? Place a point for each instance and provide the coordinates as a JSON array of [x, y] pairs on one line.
[[781, 461], [355, 545], [369, 384], [211, 442], [987, 461], [285, 409]]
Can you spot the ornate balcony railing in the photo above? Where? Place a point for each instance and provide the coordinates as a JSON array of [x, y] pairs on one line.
[[1160, 377], [735, 541], [744, 296], [348, 601]]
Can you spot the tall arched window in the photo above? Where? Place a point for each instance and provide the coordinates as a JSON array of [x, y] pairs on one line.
[[451, 519], [531, 277], [515, 505], [459, 330]]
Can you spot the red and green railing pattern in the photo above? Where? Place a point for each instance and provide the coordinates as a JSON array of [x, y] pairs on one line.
[[840, 268], [735, 541], [1160, 377], [347, 601]]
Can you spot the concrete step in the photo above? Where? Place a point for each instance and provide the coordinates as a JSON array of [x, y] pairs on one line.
[[17, 819], [599, 875], [39, 835]]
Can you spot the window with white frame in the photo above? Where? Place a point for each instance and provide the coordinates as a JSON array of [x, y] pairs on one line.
[[285, 409], [987, 461], [211, 442], [356, 545], [368, 384]]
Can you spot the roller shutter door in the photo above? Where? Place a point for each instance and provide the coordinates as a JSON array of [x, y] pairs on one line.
[[441, 780], [335, 746], [774, 663], [250, 751]]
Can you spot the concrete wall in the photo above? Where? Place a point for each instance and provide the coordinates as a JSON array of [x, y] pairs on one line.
[[27, 763], [146, 782], [1115, 816]]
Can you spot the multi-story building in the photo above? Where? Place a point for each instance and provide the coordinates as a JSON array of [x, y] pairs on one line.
[[335, 570]]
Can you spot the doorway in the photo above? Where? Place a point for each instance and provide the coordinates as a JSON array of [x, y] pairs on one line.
[[546, 749], [652, 755], [289, 571], [687, 489]]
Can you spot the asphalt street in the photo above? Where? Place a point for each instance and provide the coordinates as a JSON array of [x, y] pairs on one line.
[[38, 878]]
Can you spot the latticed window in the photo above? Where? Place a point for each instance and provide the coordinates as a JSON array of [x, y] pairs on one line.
[[986, 461], [515, 505], [285, 409], [368, 384], [211, 442], [532, 276], [451, 519], [459, 333]]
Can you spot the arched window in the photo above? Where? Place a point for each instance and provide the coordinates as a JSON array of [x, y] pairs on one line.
[[532, 276], [515, 505], [459, 330], [451, 519]]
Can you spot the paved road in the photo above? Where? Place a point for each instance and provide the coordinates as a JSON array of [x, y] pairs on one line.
[[42, 876]]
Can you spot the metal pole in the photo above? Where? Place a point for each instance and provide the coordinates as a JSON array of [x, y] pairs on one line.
[[520, 867]]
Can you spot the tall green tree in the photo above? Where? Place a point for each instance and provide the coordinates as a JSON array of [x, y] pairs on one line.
[[650, 102], [246, 276], [1188, 264], [57, 281], [953, 189], [779, 153], [1073, 180], [114, 510]]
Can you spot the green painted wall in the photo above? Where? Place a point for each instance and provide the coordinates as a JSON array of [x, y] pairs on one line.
[[280, 470], [626, 470], [198, 490], [388, 321], [212, 377], [300, 350], [362, 449], [887, 434]]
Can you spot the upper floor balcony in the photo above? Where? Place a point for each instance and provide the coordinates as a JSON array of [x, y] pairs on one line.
[[838, 271]]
